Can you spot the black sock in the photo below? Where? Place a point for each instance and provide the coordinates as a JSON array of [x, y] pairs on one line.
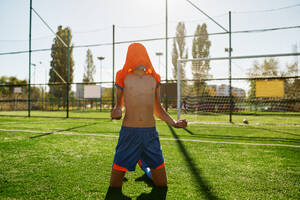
[[160, 192], [113, 193], [157, 193]]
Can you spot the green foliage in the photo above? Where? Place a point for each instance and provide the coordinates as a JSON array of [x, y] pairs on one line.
[[201, 46], [179, 50], [268, 68], [252, 91], [59, 55], [107, 93], [89, 69], [35, 93], [292, 86], [9, 90]]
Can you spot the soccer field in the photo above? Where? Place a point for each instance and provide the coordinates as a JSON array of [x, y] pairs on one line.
[[283, 118], [71, 159]]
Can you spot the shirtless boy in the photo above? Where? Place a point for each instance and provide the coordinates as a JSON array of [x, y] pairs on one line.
[[138, 86]]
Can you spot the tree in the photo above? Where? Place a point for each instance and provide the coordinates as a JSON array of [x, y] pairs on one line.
[[3, 90], [106, 96], [89, 69], [268, 68], [200, 49], [292, 86], [59, 54], [179, 50], [10, 82]]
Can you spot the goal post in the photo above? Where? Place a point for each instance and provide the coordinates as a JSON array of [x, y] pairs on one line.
[[229, 78], [178, 90]]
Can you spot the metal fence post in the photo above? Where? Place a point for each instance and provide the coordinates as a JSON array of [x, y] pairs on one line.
[[113, 70], [29, 78], [230, 89], [68, 72], [178, 90], [166, 97]]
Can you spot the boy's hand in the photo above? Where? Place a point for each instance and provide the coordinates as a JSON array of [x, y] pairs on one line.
[[116, 113], [180, 123]]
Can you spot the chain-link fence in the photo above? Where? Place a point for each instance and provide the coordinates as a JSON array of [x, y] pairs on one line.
[[45, 94], [56, 100]]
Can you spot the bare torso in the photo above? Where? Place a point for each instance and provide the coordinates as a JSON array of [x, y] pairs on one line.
[[139, 96]]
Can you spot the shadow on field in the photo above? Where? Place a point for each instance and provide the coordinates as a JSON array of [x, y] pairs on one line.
[[190, 132], [68, 129], [275, 131], [213, 136], [204, 187], [146, 180]]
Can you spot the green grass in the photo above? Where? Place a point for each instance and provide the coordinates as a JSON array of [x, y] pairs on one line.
[[37, 164], [258, 117], [60, 114]]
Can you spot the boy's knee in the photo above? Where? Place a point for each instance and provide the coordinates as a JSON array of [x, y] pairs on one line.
[[161, 183], [116, 179], [159, 177]]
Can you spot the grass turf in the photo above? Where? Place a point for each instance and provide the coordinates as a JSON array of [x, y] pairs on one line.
[[258, 117], [40, 159]]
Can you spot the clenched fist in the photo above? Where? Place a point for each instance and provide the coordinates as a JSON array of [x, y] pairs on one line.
[[116, 113], [180, 123]]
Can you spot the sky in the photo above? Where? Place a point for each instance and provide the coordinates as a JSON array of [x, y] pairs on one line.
[[91, 22]]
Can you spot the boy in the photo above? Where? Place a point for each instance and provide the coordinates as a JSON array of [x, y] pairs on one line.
[[138, 85]]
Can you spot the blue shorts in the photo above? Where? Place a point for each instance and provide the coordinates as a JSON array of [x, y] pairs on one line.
[[136, 144]]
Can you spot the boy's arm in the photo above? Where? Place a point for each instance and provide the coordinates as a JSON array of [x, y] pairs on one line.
[[160, 112], [116, 112]]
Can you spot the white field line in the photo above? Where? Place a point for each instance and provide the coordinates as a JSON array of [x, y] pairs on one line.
[[190, 122], [222, 142], [38, 122], [238, 123], [166, 139], [59, 133]]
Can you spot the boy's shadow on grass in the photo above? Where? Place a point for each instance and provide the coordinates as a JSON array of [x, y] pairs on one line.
[[144, 178], [155, 194], [115, 194], [205, 188]]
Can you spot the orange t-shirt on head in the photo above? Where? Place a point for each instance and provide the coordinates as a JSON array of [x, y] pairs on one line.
[[136, 56]]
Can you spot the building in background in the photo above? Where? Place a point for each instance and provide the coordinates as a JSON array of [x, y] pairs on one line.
[[88, 91], [223, 90]]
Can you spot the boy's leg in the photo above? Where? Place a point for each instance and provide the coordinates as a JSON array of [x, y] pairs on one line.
[[116, 178], [152, 155], [114, 191], [159, 177], [159, 191]]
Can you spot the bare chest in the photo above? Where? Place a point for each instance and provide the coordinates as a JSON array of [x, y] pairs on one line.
[[139, 86]]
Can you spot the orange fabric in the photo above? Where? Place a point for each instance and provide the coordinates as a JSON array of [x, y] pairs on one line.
[[136, 55], [161, 166], [119, 168]]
